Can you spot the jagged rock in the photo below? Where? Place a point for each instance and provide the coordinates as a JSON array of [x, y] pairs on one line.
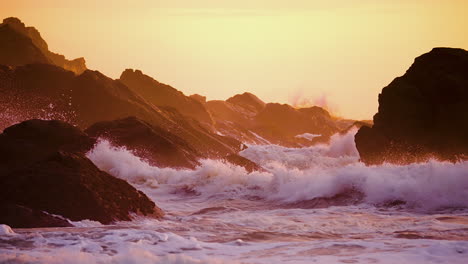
[[238, 160], [160, 147], [43, 167], [422, 114], [281, 123], [18, 216], [164, 95], [248, 101], [20, 45], [199, 98]]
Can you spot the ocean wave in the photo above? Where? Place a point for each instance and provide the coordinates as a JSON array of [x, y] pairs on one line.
[[300, 174]]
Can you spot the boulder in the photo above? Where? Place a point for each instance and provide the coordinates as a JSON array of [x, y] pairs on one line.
[[247, 164], [422, 114], [18, 216], [44, 167], [160, 147]]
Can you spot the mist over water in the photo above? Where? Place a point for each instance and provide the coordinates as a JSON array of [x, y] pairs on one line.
[[220, 213]]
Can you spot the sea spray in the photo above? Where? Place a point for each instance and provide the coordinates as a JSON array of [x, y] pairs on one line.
[[300, 174]]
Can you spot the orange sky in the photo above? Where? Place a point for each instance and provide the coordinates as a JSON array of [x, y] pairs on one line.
[[337, 51]]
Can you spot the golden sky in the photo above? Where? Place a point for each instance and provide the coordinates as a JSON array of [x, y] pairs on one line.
[[340, 52]]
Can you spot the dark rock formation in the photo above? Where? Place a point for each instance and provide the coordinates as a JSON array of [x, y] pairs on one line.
[[248, 119], [161, 94], [281, 121], [199, 98], [422, 114], [43, 167], [20, 45], [17, 49], [157, 145], [247, 101], [18, 216], [238, 160], [47, 91]]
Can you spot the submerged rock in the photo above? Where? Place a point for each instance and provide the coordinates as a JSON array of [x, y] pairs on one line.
[[43, 167], [422, 114]]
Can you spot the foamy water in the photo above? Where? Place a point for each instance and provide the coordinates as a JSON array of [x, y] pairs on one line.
[[219, 213]]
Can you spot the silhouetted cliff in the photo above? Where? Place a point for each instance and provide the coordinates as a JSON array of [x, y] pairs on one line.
[[422, 114], [20, 45], [161, 94]]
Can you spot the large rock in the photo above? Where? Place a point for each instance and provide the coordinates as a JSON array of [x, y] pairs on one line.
[[160, 147], [19, 216], [164, 95], [50, 92], [20, 45], [44, 167], [248, 119], [422, 114]]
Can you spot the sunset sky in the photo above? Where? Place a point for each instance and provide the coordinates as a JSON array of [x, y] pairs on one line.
[[337, 52]]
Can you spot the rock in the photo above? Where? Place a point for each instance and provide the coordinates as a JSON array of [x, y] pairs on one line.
[[43, 169], [160, 147], [247, 101], [18, 216], [281, 123], [199, 98], [422, 114], [20, 45], [31, 141], [17, 49], [161, 94], [50, 92], [248, 119], [247, 164]]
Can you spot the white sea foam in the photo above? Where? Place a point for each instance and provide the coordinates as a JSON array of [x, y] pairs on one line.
[[308, 136], [219, 213], [6, 230], [299, 174]]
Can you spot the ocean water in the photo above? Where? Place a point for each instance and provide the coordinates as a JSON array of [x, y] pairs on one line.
[[311, 205]]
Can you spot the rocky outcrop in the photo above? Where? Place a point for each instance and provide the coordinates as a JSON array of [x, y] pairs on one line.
[[20, 45], [43, 167], [283, 123], [155, 144], [422, 114], [247, 164], [161, 94], [18, 216], [248, 119], [247, 101], [50, 92]]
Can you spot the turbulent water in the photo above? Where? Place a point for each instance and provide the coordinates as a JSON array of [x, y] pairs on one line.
[[310, 205]]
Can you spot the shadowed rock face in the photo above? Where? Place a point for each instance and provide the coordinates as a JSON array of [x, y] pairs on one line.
[[247, 101], [164, 95], [18, 216], [283, 122], [17, 49], [422, 114], [20, 45], [160, 147], [44, 167], [250, 120], [47, 91]]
